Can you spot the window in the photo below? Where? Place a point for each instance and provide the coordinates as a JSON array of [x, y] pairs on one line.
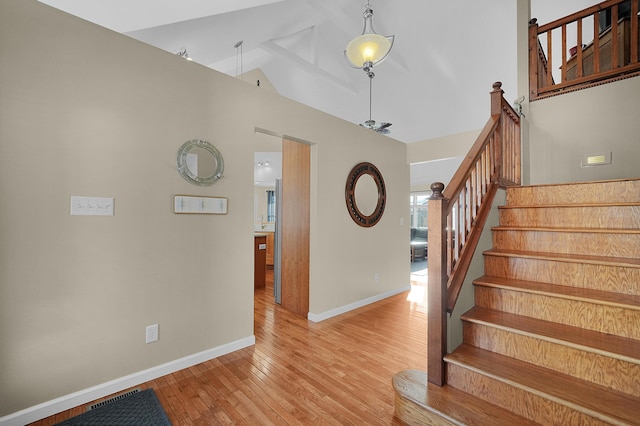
[[418, 204], [271, 206]]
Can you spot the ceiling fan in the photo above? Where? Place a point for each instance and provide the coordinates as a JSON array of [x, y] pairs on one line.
[[382, 128]]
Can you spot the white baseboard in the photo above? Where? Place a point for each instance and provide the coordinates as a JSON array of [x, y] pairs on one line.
[[84, 396], [355, 305]]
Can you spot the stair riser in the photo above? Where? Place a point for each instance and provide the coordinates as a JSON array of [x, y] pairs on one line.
[[596, 244], [611, 278], [516, 400], [593, 192], [619, 217], [415, 414], [600, 369], [601, 318]]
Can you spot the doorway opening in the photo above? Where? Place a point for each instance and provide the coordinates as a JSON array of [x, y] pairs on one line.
[[282, 213]]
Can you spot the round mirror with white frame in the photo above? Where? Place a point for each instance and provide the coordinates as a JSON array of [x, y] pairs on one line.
[[199, 162]]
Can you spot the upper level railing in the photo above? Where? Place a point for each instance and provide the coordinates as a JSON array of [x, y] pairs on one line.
[[596, 45], [457, 216]]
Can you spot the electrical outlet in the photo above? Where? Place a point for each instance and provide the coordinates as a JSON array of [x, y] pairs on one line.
[[152, 333]]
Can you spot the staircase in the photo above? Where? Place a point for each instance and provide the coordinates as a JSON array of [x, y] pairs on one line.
[[554, 338]]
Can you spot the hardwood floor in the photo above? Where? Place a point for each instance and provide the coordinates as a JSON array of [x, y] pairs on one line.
[[337, 371]]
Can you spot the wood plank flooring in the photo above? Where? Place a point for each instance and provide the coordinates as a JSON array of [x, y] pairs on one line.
[[336, 372]]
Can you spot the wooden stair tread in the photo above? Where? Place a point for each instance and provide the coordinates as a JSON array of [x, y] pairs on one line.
[[632, 231], [583, 294], [595, 400], [565, 257], [617, 347], [456, 406]]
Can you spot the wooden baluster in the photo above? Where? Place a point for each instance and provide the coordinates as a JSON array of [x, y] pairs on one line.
[[549, 58], [514, 143], [467, 214], [450, 237], [466, 199], [596, 43], [490, 159], [615, 45], [634, 32], [580, 71], [504, 140], [475, 190], [563, 76], [506, 146], [483, 174], [462, 228], [515, 139]]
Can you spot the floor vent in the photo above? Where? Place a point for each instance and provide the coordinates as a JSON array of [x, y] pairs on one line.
[[112, 399]]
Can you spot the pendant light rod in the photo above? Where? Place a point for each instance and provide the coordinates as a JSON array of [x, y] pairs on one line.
[[370, 94]]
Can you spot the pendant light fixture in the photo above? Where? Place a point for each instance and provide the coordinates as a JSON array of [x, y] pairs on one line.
[[369, 48]]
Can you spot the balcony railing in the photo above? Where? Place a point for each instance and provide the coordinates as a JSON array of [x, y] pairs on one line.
[[596, 45]]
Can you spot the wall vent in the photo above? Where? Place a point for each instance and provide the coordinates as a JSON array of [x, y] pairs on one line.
[[112, 399]]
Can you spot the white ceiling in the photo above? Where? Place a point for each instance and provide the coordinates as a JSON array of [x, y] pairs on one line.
[[435, 81]]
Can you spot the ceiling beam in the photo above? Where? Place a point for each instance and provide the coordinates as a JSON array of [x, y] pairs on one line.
[[282, 53]]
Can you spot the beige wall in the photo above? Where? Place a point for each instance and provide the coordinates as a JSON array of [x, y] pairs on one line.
[[449, 146], [85, 111], [601, 119]]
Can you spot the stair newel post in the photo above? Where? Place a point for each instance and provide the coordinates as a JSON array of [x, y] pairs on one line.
[[533, 59], [496, 98], [498, 137], [437, 285]]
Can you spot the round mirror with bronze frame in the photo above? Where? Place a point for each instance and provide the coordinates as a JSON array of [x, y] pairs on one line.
[[359, 217]]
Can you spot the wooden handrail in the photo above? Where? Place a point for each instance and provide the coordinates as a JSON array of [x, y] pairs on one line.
[[457, 216], [612, 55]]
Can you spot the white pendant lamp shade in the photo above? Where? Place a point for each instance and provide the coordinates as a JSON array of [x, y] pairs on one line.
[[369, 48]]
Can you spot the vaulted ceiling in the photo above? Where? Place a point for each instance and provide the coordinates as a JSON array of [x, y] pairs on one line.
[[435, 82]]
